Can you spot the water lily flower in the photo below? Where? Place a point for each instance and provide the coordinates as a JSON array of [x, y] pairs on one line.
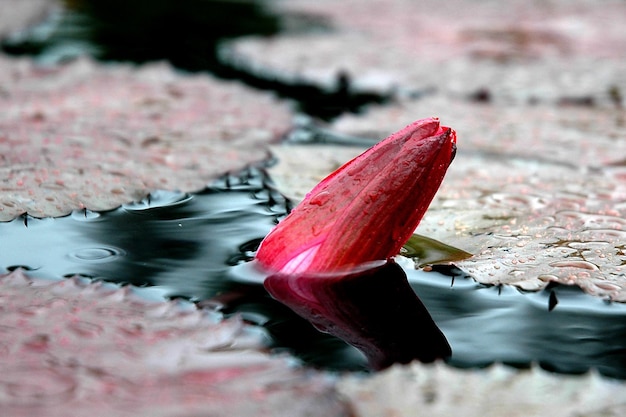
[[329, 259], [368, 208]]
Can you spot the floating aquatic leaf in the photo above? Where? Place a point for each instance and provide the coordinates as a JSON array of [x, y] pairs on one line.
[[431, 251]]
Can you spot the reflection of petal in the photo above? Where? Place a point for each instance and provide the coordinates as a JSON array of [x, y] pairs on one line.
[[375, 310]]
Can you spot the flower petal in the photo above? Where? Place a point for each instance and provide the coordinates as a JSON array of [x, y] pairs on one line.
[[366, 209]]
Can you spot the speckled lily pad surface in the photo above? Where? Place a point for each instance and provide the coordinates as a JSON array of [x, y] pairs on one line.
[[70, 347], [439, 391], [18, 14], [93, 136], [545, 52], [536, 193]]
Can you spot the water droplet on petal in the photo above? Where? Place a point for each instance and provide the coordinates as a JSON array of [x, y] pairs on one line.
[[316, 230], [320, 198], [372, 197]]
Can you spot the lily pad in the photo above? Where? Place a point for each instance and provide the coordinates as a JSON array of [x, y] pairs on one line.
[[536, 193], [568, 51], [425, 250], [72, 346], [437, 390], [299, 168], [84, 135]]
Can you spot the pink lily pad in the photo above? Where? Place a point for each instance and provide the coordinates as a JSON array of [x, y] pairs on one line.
[[69, 347], [92, 136], [536, 193], [540, 52]]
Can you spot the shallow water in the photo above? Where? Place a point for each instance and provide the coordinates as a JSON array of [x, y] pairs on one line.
[[197, 247], [177, 241]]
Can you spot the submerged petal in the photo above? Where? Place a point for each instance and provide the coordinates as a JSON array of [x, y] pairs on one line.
[[366, 209]]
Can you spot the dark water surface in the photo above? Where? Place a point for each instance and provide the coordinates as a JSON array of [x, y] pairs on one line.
[[197, 246]]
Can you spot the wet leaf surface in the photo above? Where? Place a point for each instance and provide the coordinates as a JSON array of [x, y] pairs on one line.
[[536, 193], [88, 136], [437, 390], [559, 52], [69, 347]]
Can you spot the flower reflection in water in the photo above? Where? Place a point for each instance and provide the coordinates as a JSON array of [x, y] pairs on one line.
[[329, 260], [372, 307]]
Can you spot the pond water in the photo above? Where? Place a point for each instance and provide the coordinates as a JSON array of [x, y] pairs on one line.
[[198, 246]]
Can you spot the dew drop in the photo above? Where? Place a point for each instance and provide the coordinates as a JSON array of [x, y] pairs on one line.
[[574, 264], [352, 171], [372, 197], [320, 198], [316, 230], [548, 278]]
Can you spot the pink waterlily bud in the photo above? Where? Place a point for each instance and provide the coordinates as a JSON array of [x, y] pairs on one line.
[[367, 209]]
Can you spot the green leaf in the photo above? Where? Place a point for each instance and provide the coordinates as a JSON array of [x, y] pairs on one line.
[[431, 251]]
